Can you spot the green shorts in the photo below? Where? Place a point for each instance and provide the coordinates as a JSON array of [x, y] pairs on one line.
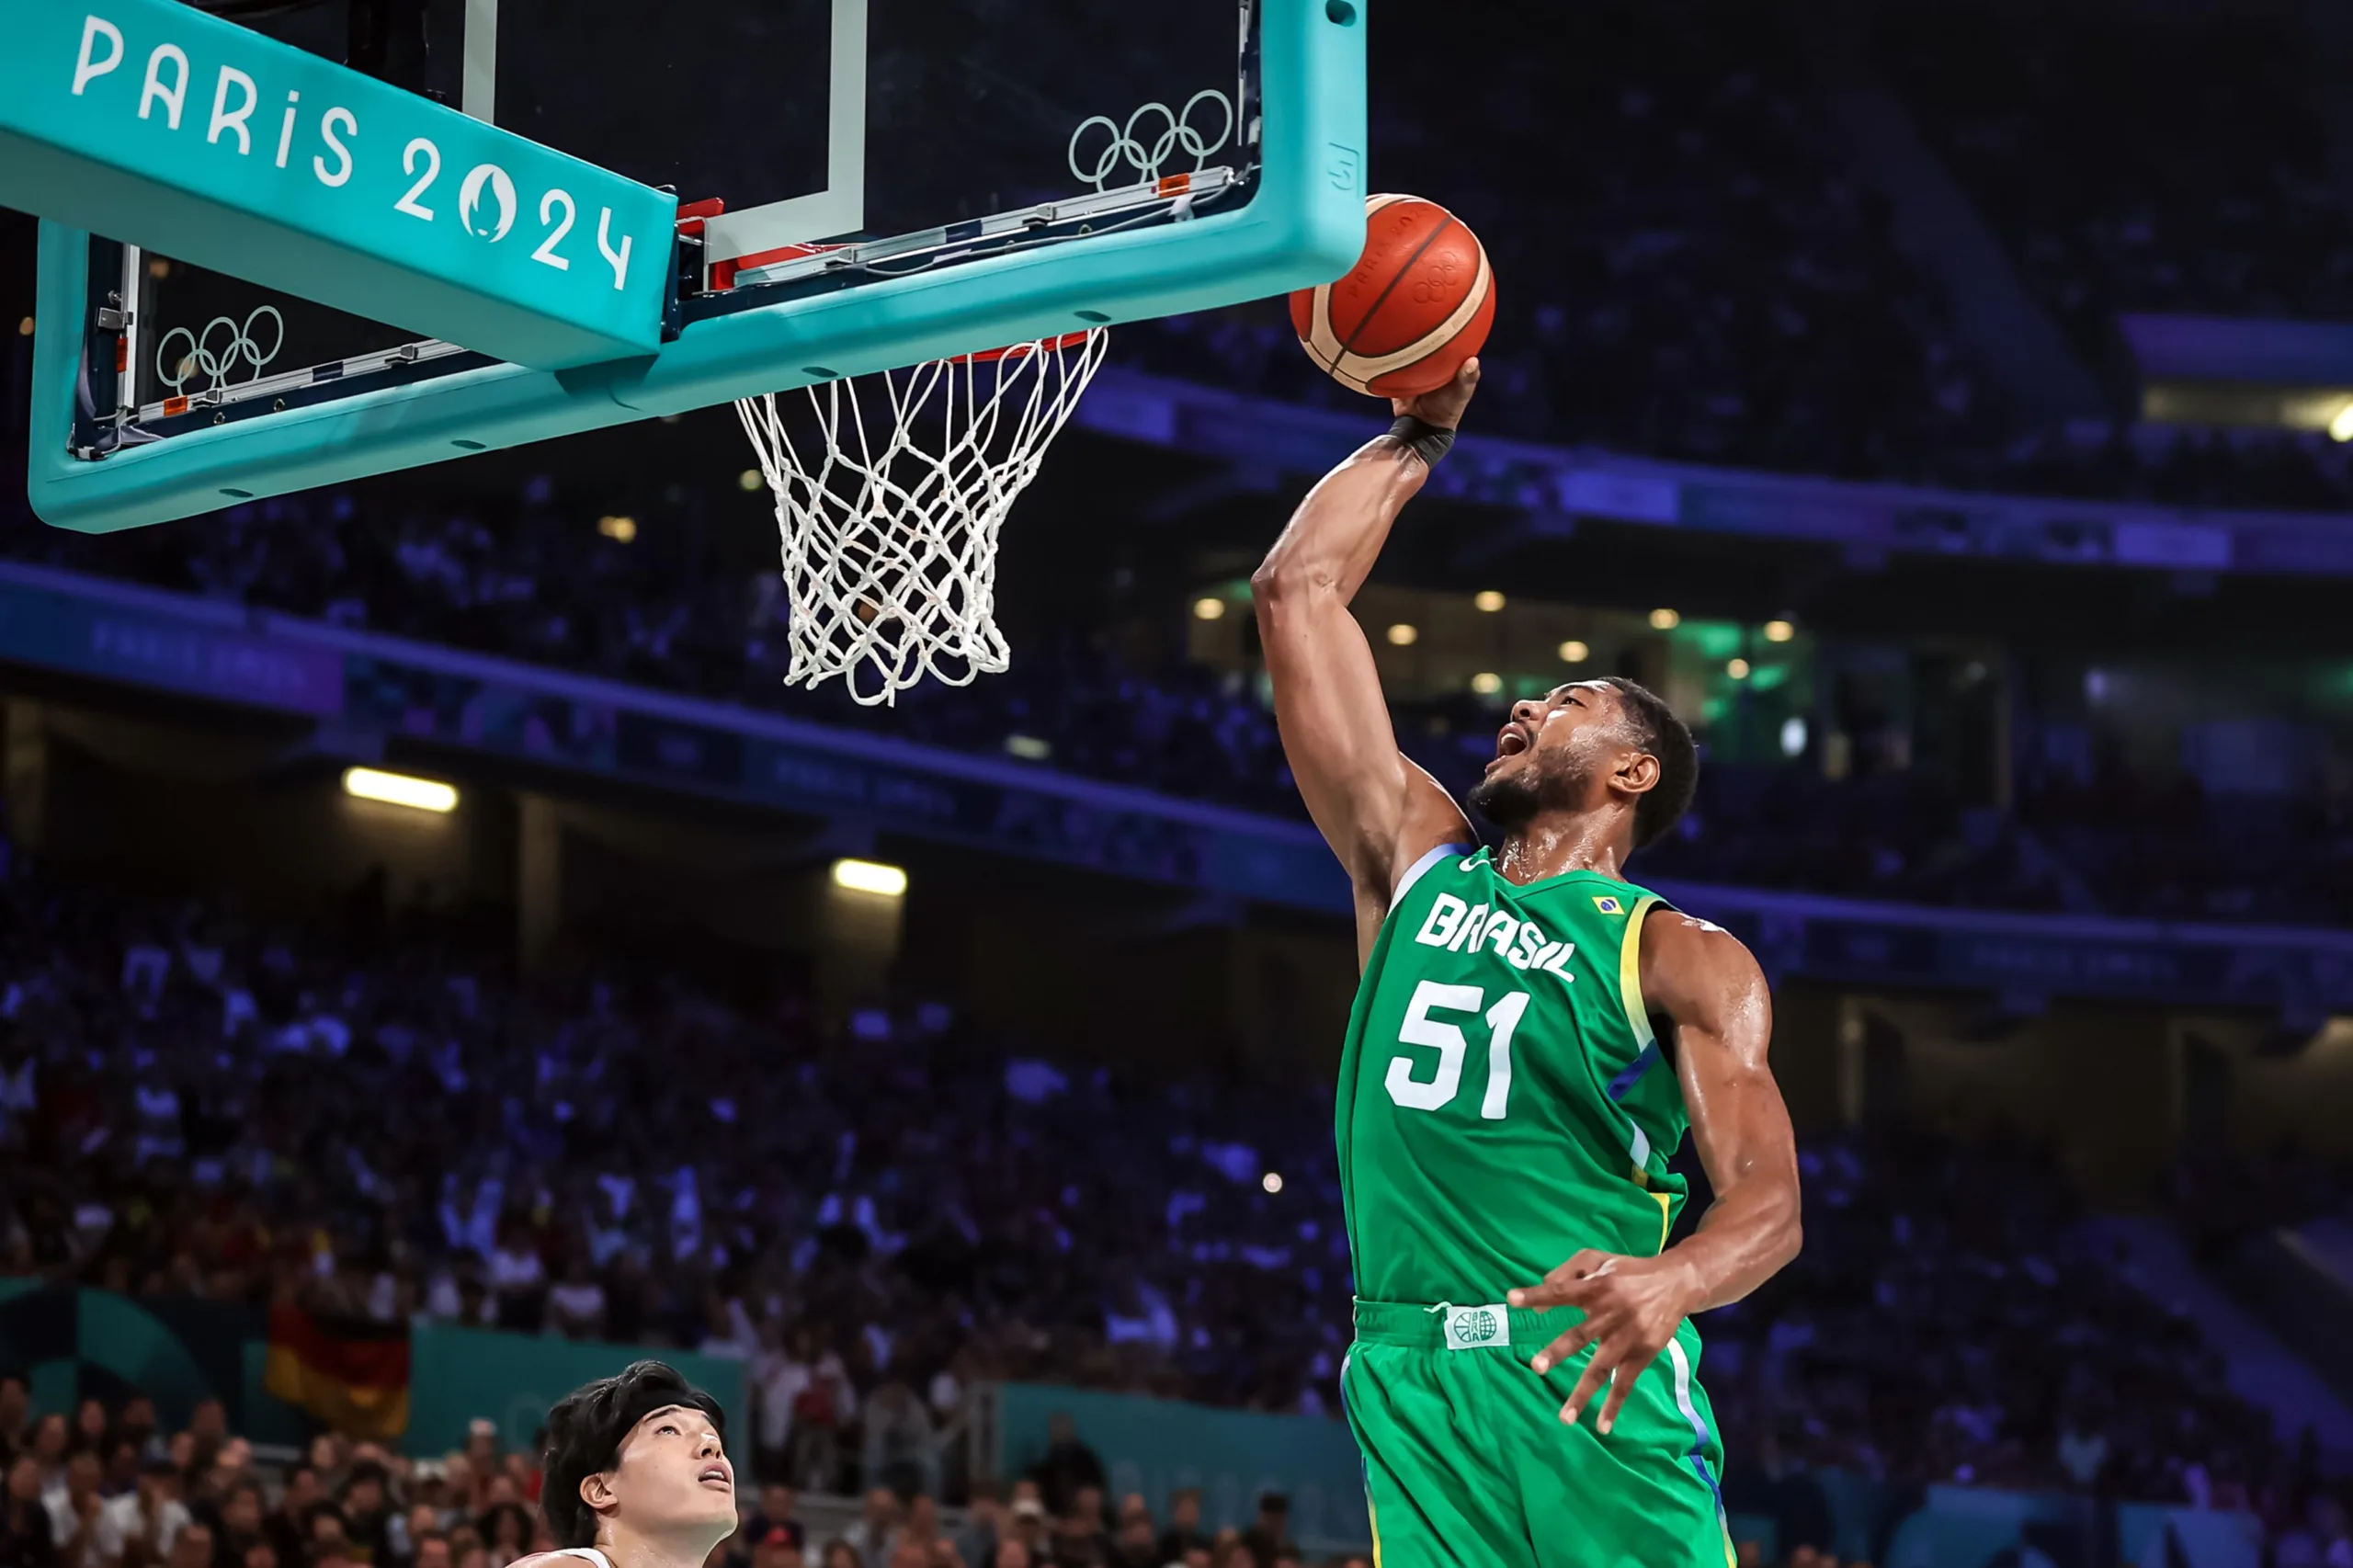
[[1467, 1464]]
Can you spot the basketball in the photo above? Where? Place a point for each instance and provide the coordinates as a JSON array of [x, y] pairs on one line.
[[1417, 303]]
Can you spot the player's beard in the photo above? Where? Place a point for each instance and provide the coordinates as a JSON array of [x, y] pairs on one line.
[[1512, 798]]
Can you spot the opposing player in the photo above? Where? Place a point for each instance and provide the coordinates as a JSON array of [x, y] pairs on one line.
[[637, 1473], [1532, 1037]]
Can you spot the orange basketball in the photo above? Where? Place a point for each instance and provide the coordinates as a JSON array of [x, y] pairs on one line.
[[1418, 302]]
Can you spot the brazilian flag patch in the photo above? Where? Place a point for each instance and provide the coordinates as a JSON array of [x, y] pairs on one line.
[[1608, 905]]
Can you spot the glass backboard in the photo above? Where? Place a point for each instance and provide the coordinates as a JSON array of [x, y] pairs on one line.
[[864, 184], [898, 132]]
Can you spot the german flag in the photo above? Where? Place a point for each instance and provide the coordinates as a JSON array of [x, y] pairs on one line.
[[349, 1373]]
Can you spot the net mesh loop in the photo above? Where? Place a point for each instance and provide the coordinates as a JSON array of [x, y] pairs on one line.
[[889, 514]]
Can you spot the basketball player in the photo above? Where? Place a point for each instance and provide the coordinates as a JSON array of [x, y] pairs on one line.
[[637, 1473], [1530, 1038]]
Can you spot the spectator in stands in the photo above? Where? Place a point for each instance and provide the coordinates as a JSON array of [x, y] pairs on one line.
[[776, 1547], [1268, 1536], [779, 1373], [74, 1508], [898, 1448], [1068, 1464], [506, 1531], [27, 1537], [1081, 1538], [984, 1524], [1132, 1546], [919, 1534], [239, 1521], [15, 1414], [869, 1534], [1184, 1532], [1026, 1530], [367, 1513], [577, 1304], [325, 1530], [137, 1425], [192, 1548], [825, 1404], [51, 1441], [776, 1512], [146, 1521], [421, 1519], [287, 1525], [481, 1455], [89, 1428]]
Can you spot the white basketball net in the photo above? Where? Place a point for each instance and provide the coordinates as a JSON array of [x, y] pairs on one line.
[[890, 528]]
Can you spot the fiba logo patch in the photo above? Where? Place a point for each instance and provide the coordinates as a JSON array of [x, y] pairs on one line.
[[1473, 1328], [502, 191]]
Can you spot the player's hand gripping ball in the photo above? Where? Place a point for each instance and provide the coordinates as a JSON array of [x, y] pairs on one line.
[[1417, 303]]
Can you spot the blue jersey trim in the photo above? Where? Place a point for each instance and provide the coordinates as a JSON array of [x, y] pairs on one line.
[[1631, 1074]]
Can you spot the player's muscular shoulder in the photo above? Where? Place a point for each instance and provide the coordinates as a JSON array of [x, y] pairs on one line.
[[1699, 973]]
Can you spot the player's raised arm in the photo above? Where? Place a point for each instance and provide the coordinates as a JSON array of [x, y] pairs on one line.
[[1378, 811], [1702, 977]]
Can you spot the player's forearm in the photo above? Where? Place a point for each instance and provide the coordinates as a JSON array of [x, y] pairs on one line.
[[1748, 1234], [1337, 533]]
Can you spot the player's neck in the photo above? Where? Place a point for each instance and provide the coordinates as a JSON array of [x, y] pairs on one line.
[[626, 1548], [1552, 844]]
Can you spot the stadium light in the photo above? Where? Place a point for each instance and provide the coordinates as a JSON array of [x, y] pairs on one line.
[[1737, 669], [399, 789], [1402, 636], [619, 529], [1665, 619], [1792, 736], [749, 481], [1272, 1181], [2341, 427], [1489, 601], [869, 876], [1486, 682], [1778, 631], [1574, 652], [1209, 607]]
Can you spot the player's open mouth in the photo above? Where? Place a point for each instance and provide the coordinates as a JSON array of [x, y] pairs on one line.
[[1513, 740], [717, 1474]]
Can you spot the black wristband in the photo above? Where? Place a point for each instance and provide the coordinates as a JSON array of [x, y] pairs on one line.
[[1427, 440]]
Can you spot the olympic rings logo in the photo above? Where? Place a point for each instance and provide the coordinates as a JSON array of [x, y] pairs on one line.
[[1126, 148], [202, 357]]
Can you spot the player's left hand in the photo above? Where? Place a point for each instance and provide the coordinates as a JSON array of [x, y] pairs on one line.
[[1633, 1307]]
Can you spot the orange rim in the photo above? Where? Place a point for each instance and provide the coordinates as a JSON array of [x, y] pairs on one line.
[[1013, 350]]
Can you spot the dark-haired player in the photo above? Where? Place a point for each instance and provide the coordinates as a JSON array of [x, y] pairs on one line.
[[1530, 1039], [637, 1473]]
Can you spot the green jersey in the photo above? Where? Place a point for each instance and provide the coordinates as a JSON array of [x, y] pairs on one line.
[[1502, 1101]]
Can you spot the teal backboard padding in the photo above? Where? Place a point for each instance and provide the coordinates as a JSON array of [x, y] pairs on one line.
[[153, 123], [1303, 225]]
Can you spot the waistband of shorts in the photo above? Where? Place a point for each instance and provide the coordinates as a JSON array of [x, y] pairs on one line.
[[1423, 1328]]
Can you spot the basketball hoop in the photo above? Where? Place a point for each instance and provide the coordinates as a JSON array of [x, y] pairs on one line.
[[889, 532]]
